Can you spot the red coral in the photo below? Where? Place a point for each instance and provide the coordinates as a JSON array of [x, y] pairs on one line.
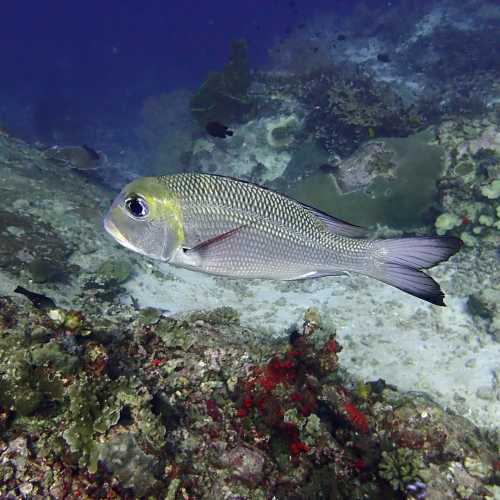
[[357, 419], [298, 447], [248, 402], [331, 346], [213, 411], [359, 464], [277, 371]]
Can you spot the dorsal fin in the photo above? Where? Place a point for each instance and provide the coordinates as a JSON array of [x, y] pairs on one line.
[[337, 226]]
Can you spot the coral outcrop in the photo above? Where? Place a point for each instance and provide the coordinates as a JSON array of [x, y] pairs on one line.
[[196, 405], [223, 97]]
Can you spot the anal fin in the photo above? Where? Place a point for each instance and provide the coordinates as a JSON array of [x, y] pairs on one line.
[[317, 274]]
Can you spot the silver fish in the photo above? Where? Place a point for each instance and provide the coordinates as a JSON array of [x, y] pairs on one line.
[[227, 227]]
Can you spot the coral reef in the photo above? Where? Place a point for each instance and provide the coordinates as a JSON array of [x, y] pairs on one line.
[[197, 406], [100, 399], [349, 107], [468, 192]]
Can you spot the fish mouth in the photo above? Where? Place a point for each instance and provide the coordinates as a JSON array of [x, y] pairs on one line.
[[113, 231]]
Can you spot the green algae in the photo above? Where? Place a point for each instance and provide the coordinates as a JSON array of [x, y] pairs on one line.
[[464, 168], [114, 272], [401, 467], [174, 334], [18, 388], [95, 407], [51, 354], [402, 202], [223, 316], [83, 410], [307, 157]]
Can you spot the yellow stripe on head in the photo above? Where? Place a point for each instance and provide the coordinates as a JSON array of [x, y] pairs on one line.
[[163, 204]]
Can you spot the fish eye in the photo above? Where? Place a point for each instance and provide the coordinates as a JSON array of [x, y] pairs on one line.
[[136, 207]]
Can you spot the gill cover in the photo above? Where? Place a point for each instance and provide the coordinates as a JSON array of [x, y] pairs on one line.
[[146, 218]]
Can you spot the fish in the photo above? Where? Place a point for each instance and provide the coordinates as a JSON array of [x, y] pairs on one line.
[[77, 157], [216, 129], [227, 227], [38, 300]]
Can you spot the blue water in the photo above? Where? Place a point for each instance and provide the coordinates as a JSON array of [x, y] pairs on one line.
[[105, 51]]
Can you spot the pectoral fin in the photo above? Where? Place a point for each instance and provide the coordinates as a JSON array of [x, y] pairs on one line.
[[214, 248]]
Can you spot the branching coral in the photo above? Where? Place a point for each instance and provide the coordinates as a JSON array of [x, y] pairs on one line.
[[348, 107]]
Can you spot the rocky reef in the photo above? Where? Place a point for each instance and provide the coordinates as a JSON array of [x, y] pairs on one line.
[[224, 95], [104, 396], [140, 404]]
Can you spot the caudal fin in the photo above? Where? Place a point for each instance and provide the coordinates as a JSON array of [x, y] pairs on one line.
[[399, 262]]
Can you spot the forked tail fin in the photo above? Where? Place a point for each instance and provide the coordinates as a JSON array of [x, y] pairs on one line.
[[399, 262]]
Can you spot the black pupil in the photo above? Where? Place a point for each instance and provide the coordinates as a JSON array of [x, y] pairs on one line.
[[136, 207]]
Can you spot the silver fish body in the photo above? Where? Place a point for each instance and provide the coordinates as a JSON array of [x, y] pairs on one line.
[[275, 237], [227, 227]]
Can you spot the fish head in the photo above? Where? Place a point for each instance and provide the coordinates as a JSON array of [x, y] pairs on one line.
[[146, 218]]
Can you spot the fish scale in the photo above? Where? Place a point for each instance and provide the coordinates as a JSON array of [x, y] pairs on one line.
[[279, 235]]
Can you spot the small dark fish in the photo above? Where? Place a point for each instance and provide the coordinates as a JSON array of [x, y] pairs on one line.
[[78, 157], [341, 38], [326, 168], [288, 30], [301, 26], [216, 129], [315, 49], [384, 58], [39, 301]]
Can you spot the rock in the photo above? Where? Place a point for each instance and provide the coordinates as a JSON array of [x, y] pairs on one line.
[[126, 460], [486, 393], [483, 303], [114, 272], [245, 464]]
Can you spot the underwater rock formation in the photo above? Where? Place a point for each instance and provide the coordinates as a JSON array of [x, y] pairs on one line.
[[223, 97], [195, 405], [469, 190]]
